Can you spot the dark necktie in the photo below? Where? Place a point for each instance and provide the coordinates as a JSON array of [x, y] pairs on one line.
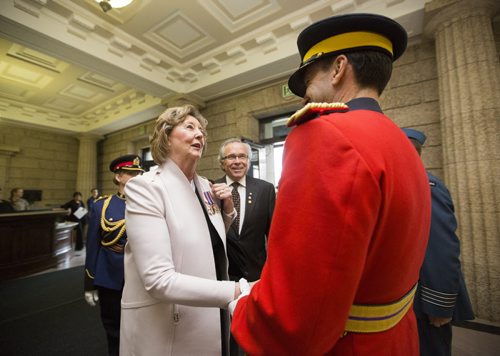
[[236, 202]]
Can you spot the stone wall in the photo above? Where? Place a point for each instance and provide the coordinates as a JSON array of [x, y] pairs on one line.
[[127, 141], [38, 159], [411, 100]]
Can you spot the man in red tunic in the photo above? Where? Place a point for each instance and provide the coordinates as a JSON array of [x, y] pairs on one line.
[[353, 209]]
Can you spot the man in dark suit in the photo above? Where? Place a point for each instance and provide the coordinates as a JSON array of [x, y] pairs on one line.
[[441, 294], [254, 201]]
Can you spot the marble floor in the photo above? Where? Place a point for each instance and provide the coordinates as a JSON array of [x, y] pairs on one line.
[[466, 342]]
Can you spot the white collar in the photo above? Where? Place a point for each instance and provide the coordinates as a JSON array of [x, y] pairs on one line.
[[242, 181]]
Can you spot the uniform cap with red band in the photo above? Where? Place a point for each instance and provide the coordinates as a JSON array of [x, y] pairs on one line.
[[126, 163]]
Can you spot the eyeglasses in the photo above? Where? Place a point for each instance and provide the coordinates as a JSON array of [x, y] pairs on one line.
[[231, 158]]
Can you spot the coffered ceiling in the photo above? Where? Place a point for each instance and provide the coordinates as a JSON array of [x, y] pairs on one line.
[[67, 65]]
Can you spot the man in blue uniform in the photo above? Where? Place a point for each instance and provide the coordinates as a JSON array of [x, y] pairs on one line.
[[441, 295], [105, 244], [93, 197]]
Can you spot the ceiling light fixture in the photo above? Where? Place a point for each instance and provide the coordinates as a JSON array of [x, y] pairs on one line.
[[107, 5]]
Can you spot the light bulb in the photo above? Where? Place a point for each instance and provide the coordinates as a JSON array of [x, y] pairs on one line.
[[116, 4]]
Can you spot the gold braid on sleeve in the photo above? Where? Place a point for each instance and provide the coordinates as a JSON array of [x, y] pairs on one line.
[[111, 226]]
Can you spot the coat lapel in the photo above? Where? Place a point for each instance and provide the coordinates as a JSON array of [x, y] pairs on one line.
[[251, 194]]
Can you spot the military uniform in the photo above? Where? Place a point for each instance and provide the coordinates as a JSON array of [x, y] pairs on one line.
[[105, 242], [441, 288], [441, 291], [351, 220], [106, 239], [341, 254]]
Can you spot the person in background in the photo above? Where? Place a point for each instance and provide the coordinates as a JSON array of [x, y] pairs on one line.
[[94, 194], [254, 202], [177, 290], [352, 214], [72, 206], [106, 239], [17, 201], [441, 293], [5, 206], [257, 198]]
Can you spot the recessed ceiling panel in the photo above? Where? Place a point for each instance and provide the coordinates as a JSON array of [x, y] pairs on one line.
[[236, 9], [66, 105], [37, 58], [81, 92], [14, 92], [179, 35], [22, 75], [100, 81], [235, 15]]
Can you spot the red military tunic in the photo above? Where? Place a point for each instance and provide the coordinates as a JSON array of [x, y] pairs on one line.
[[350, 227]]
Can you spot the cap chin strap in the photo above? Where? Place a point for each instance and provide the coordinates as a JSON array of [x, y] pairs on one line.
[[349, 40]]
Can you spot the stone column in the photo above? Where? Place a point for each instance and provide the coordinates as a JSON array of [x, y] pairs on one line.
[[469, 96], [86, 174]]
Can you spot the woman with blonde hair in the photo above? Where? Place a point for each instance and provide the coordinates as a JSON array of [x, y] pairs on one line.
[[176, 289]]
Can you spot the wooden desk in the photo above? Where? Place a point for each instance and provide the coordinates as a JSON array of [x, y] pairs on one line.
[[30, 242]]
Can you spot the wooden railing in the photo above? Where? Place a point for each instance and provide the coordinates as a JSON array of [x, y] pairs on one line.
[[33, 241]]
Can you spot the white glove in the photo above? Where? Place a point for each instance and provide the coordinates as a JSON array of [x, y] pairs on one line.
[[245, 290], [244, 287], [92, 297]]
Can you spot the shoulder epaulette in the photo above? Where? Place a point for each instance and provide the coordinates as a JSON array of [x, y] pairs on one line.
[[312, 110], [100, 198]]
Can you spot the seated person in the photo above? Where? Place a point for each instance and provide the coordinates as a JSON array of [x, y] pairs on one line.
[[17, 201]]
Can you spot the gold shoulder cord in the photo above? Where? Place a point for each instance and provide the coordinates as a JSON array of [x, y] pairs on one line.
[[314, 108], [110, 226]]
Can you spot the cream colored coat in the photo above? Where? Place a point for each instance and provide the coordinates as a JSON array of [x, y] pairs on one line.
[[171, 299]]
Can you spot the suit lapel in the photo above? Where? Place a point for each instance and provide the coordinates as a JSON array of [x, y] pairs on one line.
[[251, 194]]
